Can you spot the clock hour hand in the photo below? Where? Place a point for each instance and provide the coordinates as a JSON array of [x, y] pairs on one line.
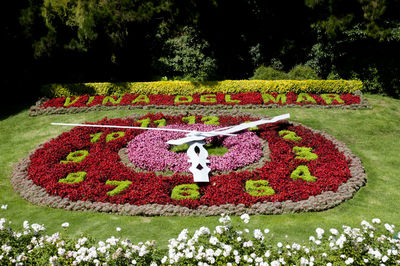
[[232, 129], [185, 140], [198, 136]]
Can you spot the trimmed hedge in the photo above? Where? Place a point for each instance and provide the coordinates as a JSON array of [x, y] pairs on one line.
[[189, 88]]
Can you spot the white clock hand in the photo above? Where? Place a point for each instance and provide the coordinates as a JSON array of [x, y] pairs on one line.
[[185, 140], [232, 129], [193, 132], [226, 130], [199, 160]]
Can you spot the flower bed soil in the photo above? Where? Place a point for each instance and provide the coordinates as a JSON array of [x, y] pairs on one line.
[[82, 170], [197, 101]]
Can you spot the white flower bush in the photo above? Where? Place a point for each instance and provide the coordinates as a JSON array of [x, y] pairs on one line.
[[371, 244]]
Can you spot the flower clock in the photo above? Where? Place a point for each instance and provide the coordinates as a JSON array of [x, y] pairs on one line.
[[190, 164]]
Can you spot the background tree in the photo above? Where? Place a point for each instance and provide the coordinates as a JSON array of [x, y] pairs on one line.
[[358, 39], [185, 56], [103, 40]]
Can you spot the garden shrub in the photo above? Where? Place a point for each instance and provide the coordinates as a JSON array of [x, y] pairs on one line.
[[268, 73], [187, 88], [301, 72]]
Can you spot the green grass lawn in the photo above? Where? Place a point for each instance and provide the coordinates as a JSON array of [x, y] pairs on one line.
[[373, 135]]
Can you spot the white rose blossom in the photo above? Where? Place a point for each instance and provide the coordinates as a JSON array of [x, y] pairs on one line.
[[349, 261], [37, 227], [245, 217], [389, 228], [65, 225], [334, 231], [258, 234], [376, 221], [320, 232], [225, 219]]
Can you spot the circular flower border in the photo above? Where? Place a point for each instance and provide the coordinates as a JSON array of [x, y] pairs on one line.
[[38, 195]]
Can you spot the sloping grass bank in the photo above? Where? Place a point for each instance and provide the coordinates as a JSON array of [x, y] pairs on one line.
[[373, 135]]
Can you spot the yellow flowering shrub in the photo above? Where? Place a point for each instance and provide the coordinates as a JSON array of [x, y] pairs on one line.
[[189, 87]]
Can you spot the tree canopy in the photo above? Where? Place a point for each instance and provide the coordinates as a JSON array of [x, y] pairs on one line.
[[103, 40]]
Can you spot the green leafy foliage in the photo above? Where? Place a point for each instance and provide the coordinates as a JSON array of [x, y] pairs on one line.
[[185, 191], [95, 137], [76, 157], [183, 99], [369, 20], [75, 24], [345, 35], [115, 135], [303, 172], [184, 89], [268, 73], [290, 135], [301, 72], [304, 153], [186, 56], [279, 98], [305, 97], [73, 178], [329, 98], [120, 186], [259, 188], [210, 120]]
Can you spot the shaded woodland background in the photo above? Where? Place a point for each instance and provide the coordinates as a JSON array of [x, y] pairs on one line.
[[68, 41]]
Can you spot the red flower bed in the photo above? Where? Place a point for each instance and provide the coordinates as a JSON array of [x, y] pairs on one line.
[[60, 157], [248, 98]]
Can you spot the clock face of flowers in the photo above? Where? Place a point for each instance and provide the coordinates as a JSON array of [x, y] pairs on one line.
[[267, 166]]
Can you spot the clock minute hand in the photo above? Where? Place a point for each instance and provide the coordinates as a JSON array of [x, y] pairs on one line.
[[191, 132]]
